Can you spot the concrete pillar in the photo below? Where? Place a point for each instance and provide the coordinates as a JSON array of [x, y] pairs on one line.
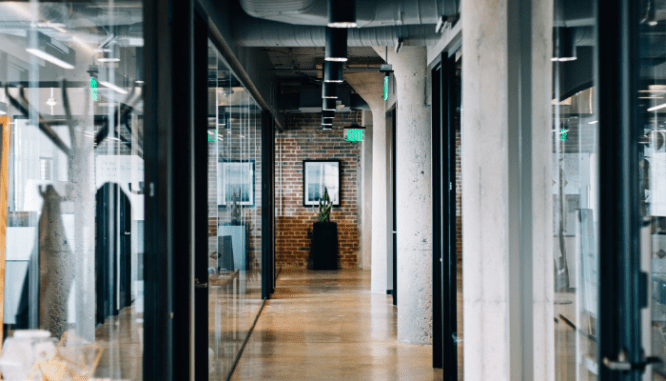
[[370, 87], [507, 200], [413, 194]]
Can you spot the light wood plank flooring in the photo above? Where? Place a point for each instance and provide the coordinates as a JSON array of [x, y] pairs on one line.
[[328, 326]]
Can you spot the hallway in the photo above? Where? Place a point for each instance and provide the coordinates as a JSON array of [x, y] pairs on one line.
[[328, 326]]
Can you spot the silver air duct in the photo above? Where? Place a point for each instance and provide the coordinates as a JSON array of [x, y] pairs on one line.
[[369, 13]]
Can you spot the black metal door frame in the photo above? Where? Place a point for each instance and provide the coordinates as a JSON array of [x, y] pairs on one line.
[[267, 204], [176, 206], [169, 141], [437, 228], [394, 203], [445, 286], [622, 286], [201, 303]]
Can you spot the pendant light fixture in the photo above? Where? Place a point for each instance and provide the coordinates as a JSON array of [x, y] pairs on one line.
[[326, 123], [329, 90], [650, 15], [333, 72], [328, 104], [564, 45], [342, 14], [336, 44]]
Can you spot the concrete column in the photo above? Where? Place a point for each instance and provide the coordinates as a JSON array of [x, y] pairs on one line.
[[507, 212], [370, 87], [413, 194]]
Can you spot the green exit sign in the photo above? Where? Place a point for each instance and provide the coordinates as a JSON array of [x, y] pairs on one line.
[[93, 88], [386, 83], [563, 134], [354, 135]]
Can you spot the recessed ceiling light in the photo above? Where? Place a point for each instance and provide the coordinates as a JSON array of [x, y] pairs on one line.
[[48, 57], [114, 87], [659, 107], [564, 45]]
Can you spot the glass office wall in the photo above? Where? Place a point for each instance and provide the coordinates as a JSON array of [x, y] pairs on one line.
[[71, 113], [235, 168], [651, 101], [575, 197]]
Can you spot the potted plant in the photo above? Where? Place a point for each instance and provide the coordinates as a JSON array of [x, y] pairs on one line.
[[324, 238]]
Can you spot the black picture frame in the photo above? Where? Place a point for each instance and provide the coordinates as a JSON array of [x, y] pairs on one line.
[[222, 200], [335, 193]]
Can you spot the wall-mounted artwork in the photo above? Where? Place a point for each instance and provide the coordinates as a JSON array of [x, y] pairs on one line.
[[235, 178], [317, 176]]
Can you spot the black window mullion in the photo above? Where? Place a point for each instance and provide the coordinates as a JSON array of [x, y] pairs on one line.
[[437, 232], [619, 251]]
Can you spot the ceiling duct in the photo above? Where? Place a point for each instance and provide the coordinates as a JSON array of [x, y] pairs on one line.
[[369, 13], [254, 32]]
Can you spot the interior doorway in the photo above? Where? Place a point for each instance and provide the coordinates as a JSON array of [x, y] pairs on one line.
[[394, 218], [447, 217]]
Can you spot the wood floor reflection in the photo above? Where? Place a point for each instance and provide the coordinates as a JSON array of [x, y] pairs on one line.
[[328, 326]]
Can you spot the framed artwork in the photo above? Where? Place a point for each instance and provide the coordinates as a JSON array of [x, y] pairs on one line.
[[235, 177], [317, 176]]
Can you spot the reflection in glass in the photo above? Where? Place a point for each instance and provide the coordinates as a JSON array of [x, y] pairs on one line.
[[73, 109], [652, 175], [234, 213], [575, 192]]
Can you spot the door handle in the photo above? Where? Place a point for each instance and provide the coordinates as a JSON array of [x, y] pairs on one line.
[[621, 364], [198, 284]]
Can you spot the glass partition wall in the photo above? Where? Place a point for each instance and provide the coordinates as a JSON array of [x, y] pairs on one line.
[[71, 113], [650, 98], [235, 170], [575, 198]]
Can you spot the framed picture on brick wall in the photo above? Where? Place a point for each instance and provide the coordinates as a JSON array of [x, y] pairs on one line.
[[235, 177], [317, 176]]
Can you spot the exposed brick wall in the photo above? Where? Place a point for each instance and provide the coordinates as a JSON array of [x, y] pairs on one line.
[[304, 139], [240, 140]]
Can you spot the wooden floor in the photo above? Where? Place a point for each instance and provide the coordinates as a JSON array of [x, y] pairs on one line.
[[328, 326]]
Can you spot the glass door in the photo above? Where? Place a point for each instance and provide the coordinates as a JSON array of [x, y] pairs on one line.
[[650, 100], [447, 215], [72, 206]]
